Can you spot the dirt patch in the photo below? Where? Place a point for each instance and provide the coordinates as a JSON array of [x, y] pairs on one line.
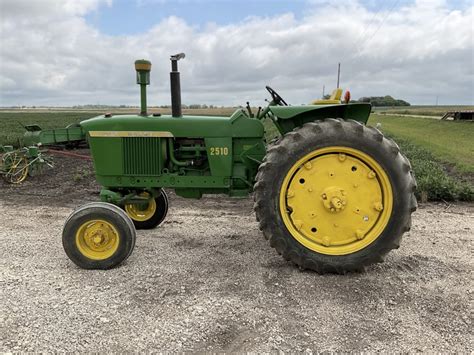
[[70, 181], [206, 280]]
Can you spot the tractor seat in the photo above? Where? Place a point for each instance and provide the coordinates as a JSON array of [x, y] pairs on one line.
[[334, 99]]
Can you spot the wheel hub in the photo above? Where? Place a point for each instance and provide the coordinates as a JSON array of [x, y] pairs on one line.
[[334, 199], [141, 211], [97, 239]]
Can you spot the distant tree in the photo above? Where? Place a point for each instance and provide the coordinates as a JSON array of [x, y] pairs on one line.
[[384, 101]]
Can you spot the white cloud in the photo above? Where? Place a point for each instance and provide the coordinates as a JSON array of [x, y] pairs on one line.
[[50, 55]]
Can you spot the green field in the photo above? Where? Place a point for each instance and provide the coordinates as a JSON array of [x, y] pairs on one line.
[[435, 111], [451, 142], [11, 123]]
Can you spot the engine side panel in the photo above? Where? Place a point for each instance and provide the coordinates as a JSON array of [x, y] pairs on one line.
[[193, 155]]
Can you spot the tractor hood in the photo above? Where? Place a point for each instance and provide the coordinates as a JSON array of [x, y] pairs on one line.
[[237, 125]]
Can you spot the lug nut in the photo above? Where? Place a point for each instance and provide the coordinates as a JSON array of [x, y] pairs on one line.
[[308, 165], [359, 234], [378, 206], [326, 241], [342, 157], [371, 174], [298, 224]]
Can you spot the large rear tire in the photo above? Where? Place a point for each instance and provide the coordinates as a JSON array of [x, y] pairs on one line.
[[334, 196], [98, 235]]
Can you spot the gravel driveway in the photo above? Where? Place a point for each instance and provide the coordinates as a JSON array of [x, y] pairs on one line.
[[207, 280]]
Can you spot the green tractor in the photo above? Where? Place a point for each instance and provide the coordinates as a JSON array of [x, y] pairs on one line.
[[331, 194]]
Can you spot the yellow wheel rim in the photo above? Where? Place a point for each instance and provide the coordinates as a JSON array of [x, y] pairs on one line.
[[17, 168], [97, 239], [141, 212], [336, 200]]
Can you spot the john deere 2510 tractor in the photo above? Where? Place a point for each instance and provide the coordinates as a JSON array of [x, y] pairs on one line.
[[331, 194]]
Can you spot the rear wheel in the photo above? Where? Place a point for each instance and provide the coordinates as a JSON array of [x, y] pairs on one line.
[[98, 236], [334, 196], [148, 215]]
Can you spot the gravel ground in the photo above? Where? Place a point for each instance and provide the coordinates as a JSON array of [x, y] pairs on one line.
[[207, 280]]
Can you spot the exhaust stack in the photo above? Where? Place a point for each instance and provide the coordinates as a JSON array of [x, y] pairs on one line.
[[143, 68], [175, 85]]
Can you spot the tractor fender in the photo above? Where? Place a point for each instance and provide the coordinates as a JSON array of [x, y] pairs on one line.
[[288, 118]]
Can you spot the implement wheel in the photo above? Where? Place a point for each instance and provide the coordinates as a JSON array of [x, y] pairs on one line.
[[98, 235], [334, 196], [16, 167], [148, 215]]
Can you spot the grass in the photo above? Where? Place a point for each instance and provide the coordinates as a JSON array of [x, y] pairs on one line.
[[435, 111], [450, 142], [81, 173], [432, 177]]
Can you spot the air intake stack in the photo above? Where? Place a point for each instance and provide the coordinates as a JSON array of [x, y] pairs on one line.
[[143, 68], [175, 85]]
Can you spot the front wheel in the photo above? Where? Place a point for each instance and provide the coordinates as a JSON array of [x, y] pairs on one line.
[[148, 215], [334, 196], [98, 235]]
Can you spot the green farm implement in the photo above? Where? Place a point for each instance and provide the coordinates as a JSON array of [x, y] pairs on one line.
[[17, 164], [331, 193]]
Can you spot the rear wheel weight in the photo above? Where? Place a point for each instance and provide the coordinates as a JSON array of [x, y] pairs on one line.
[[336, 197], [98, 236]]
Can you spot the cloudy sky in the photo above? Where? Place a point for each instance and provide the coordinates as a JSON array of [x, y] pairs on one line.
[[68, 52]]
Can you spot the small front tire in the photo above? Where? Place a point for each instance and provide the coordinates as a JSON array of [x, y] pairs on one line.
[[152, 214], [98, 235]]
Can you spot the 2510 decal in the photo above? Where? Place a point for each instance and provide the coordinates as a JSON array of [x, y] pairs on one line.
[[219, 150]]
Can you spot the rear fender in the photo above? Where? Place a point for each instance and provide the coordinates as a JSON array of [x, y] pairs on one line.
[[288, 118]]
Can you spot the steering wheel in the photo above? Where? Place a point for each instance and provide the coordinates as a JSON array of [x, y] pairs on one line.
[[275, 97]]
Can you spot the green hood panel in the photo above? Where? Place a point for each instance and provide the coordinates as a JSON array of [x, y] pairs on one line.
[[238, 125]]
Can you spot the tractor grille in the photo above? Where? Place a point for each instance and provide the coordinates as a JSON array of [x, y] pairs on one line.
[[141, 156]]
